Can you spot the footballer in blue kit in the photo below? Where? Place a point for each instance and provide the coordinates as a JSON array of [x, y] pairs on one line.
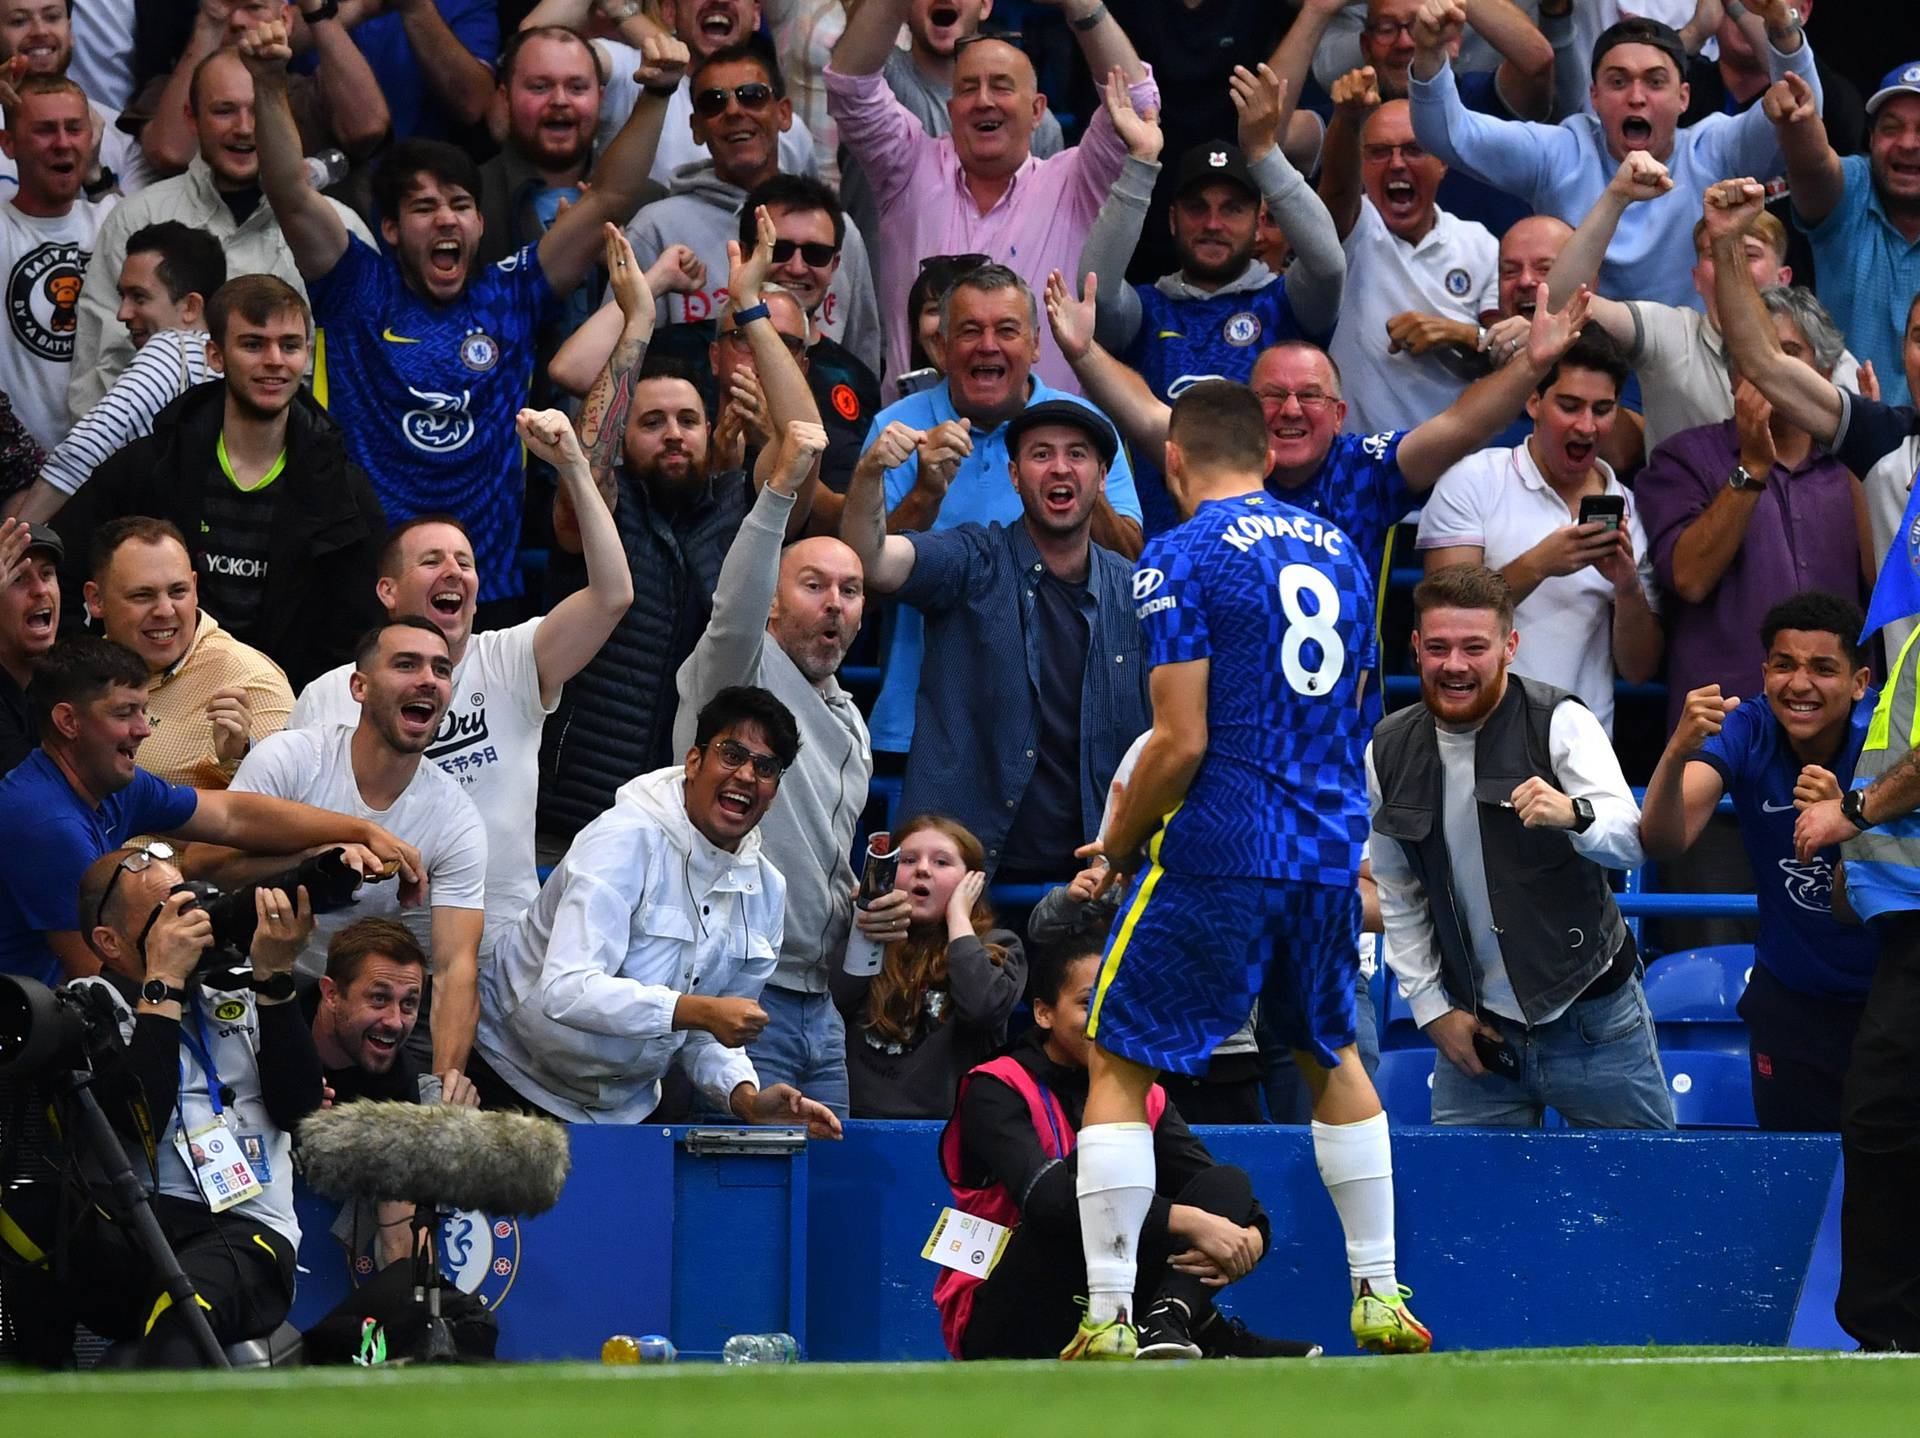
[[427, 360], [1249, 801]]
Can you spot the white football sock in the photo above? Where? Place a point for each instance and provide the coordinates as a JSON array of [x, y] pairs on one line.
[[1115, 1187], [1356, 1165]]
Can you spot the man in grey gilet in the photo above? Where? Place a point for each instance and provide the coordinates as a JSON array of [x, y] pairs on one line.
[[1498, 806]]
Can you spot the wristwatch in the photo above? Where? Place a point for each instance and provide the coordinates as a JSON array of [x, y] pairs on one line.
[[329, 10], [743, 318], [1091, 20], [1582, 815], [1853, 804], [1742, 479], [274, 986], [159, 991]]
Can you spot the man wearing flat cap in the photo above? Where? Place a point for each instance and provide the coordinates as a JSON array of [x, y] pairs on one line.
[[30, 556], [1032, 684]]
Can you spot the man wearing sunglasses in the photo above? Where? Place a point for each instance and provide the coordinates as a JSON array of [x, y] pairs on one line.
[[649, 944], [740, 110], [81, 794], [980, 187]]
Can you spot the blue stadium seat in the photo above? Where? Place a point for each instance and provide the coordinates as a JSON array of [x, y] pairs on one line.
[[1699, 985], [1404, 1082], [1710, 1090]]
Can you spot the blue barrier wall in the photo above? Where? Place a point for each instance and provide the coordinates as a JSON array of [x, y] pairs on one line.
[[1510, 1239]]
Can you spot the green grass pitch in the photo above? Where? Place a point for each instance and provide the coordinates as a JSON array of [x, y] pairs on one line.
[[1663, 1393]]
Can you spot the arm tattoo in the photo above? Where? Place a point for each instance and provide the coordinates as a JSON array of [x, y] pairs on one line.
[[603, 422]]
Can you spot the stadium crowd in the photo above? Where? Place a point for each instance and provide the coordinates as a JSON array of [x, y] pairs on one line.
[[593, 463]]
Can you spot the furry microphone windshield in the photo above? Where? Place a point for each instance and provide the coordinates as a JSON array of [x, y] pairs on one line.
[[445, 1155]]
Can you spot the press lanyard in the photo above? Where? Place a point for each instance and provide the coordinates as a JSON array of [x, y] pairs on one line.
[[202, 1051]]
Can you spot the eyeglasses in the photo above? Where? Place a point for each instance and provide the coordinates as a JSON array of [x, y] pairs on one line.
[[756, 95], [1387, 31], [1381, 154], [135, 863], [1005, 37], [1310, 400], [732, 754], [796, 346], [813, 253], [958, 263]]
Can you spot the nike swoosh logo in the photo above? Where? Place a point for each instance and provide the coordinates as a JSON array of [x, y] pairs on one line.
[[1767, 808], [390, 337], [1171, 335]]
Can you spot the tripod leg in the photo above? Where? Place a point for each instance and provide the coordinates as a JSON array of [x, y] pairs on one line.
[[131, 1199]]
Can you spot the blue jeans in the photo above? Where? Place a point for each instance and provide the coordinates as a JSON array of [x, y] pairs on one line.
[[1288, 1099], [803, 1044], [1596, 1066]]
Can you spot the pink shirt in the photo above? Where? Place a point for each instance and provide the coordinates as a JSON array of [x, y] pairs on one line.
[[1038, 225]]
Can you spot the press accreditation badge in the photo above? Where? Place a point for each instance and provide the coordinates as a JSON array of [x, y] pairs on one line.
[[966, 1244], [219, 1165]]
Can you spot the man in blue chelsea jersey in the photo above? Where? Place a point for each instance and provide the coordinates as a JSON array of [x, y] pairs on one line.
[[426, 361], [1793, 743], [1258, 623]]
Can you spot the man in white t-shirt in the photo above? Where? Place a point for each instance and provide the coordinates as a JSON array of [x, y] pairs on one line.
[[46, 238], [402, 680], [505, 681], [1586, 590], [42, 32], [1409, 264]]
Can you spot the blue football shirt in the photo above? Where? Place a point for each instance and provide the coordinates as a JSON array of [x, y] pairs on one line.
[[57, 835], [1359, 489], [1281, 604], [426, 394], [1801, 943], [1183, 341]]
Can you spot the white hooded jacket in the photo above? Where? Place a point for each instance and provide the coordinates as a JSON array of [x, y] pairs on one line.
[[576, 1005]]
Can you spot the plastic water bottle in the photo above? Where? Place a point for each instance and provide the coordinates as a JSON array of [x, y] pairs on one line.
[[326, 169], [647, 1348], [761, 1348]]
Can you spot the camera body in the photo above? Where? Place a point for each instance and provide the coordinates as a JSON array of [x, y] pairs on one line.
[[72, 1027], [330, 884]]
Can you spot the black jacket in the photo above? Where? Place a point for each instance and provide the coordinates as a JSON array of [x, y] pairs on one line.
[[615, 720], [328, 527], [998, 1145]]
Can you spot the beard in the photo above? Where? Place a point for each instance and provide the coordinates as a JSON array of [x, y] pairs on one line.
[[1485, 700], [1231, 268]]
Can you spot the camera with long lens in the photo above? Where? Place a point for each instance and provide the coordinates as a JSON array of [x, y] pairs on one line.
[[330, 883], [43, 1029]]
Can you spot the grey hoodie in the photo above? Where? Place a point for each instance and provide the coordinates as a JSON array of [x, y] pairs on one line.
[[702, 212], [808, 831]]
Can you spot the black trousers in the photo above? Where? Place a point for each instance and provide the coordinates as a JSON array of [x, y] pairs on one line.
[[1798, 1051], [1879, 1301], [1026, 1307], [241, 1270]]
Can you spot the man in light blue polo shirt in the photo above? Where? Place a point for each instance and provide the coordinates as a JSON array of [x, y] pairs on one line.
[[1638, 95], [989, 338], [1863, 216]]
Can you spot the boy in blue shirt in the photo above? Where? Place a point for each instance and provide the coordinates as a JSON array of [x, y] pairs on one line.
[[1774, 755]]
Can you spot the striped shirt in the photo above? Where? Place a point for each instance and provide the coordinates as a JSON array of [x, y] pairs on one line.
[[163, 369]]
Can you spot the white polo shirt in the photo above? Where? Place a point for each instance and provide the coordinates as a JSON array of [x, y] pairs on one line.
[[1454, 271], [1498, 499]]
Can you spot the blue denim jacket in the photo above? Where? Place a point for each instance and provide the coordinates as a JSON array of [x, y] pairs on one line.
[[976, 718]]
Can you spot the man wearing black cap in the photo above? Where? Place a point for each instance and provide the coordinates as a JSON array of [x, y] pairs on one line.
[[1032, 686], [1863, 216], [1222, 307], [1638, 96], [30, 555]]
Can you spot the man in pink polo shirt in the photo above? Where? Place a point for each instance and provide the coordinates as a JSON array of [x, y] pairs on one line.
[[978, 190]]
